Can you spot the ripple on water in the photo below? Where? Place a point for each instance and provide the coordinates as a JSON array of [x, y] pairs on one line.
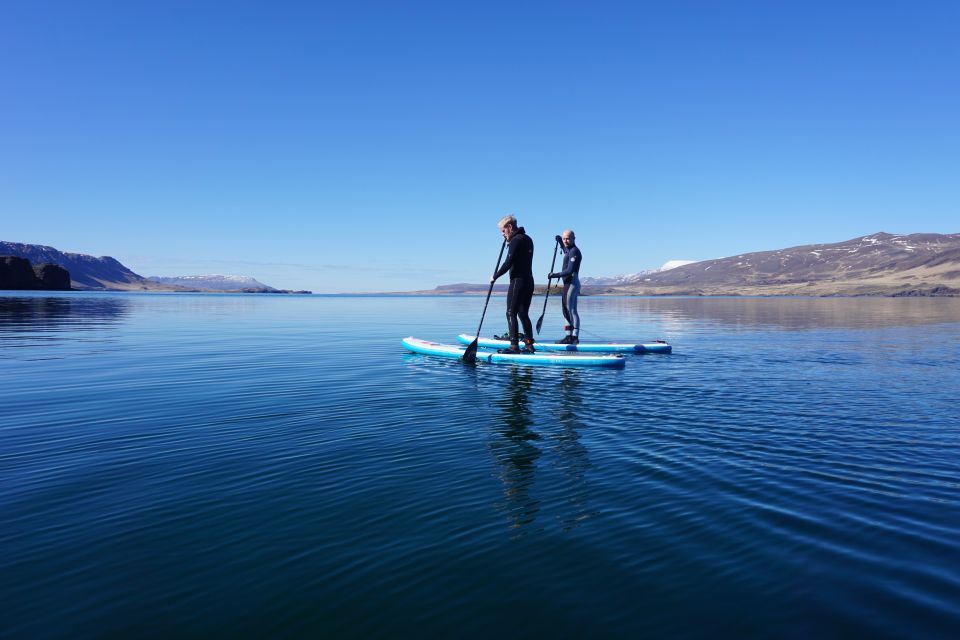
[[281, 466]]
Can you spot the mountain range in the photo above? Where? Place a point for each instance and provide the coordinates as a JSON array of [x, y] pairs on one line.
[[86, 272], [214, 283], [879, 264], [106, 273]]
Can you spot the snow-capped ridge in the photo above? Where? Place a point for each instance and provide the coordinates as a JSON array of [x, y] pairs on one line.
[[216, 282]]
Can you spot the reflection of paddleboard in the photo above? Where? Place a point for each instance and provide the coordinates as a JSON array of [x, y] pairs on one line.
[[596, 347], [552, 359]]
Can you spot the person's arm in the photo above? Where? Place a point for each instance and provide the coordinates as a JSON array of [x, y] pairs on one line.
[[571, 264], [509, 261]]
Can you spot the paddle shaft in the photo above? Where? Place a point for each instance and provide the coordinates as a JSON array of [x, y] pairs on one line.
[[553, 263], [470, 355]]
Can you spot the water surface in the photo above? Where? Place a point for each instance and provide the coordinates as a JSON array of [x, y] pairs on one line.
[[254, 465]]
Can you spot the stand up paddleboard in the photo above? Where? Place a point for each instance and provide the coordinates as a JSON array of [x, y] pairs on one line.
[[595, 347], [551, 359]]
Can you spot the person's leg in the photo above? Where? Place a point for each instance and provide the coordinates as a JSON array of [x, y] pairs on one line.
[[574, 293], [512, 313], [566, 313], [524, 298]]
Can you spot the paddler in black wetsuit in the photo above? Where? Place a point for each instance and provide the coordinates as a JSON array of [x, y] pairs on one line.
[[519, 263]]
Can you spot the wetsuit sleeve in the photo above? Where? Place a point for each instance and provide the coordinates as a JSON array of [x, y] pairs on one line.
[[511, 249], [571, 262]]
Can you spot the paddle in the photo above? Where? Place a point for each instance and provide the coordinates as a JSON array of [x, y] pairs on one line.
[[470, 355], [547, 297]]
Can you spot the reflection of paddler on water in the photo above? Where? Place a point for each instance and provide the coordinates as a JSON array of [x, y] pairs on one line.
[[514, 450], [570, 451], [517, 448]]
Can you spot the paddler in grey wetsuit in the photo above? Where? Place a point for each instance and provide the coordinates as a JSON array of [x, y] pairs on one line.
[[519, 263], [570, 273]]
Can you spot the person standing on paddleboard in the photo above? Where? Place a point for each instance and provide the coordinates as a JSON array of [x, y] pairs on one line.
[[519, 263], [571, 285]]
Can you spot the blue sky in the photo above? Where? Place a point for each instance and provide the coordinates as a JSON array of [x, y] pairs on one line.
[[363, 146]]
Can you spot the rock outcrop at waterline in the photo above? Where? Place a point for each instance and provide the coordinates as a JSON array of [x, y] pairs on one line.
[[19, 275]]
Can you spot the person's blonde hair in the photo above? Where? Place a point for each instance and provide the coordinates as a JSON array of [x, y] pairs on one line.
[[505, 220]]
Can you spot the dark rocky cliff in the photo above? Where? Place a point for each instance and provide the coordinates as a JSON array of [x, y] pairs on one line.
[[16, 273], [86, 272], [105, 273]]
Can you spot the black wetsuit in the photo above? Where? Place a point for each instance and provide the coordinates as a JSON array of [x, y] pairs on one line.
[[519, 263]]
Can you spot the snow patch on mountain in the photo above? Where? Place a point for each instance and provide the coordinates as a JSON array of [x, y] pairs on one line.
[[673, 264], [633, 278]]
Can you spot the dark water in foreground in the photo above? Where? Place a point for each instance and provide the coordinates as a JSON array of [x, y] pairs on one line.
[[239, 466]]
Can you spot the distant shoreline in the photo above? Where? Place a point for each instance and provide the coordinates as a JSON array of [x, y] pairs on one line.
[[795, 291], [155, 291], [936, 292]]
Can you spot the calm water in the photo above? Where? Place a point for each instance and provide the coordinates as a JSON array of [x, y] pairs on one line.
[[278, 466]]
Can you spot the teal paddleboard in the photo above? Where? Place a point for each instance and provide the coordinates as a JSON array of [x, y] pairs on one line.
[[593, 347], [549, 359]]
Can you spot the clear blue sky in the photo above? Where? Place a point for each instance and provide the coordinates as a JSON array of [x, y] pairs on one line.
[[372, 146]]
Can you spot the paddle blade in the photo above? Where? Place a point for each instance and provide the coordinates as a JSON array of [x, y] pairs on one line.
[[470, 355], [539, 324]]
